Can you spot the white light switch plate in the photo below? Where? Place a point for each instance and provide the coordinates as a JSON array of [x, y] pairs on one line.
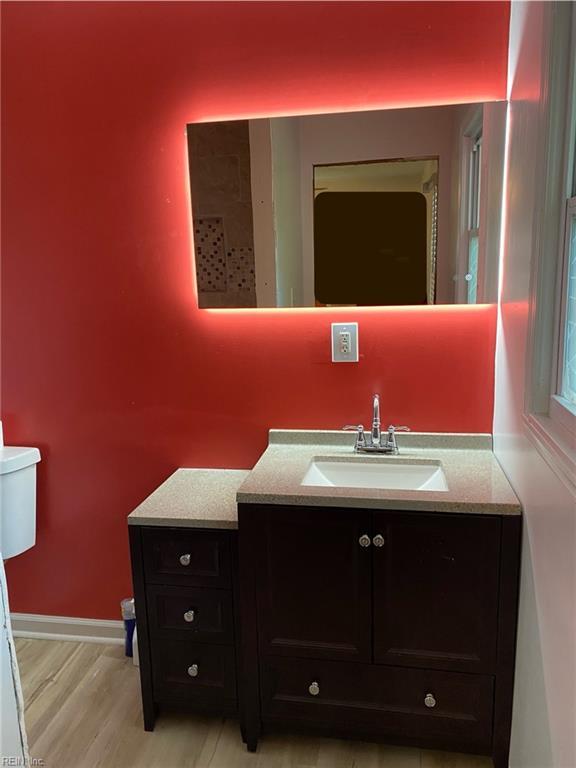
[[344, 342]]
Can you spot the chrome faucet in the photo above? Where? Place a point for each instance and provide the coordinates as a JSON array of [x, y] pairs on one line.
[[373, 442], [376, 435]]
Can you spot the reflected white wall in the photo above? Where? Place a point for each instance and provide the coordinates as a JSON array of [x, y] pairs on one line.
[[262, 211], [285, 132]]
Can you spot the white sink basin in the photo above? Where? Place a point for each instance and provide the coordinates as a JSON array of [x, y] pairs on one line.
[[391, 474]]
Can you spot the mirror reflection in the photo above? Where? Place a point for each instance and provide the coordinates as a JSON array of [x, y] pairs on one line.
[[392, 207]]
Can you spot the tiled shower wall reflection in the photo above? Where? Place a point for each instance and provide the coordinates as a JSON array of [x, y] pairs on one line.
[[222, 213]]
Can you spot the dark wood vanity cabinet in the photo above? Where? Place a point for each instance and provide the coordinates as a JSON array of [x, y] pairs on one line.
[[186, 618], [377, 624]]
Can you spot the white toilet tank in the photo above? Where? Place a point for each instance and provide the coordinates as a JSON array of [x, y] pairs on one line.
[[17, 498]]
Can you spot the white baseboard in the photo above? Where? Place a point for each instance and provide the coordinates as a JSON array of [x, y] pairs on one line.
[[38, 627]]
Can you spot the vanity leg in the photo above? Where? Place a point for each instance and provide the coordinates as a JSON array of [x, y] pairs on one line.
[[149, 712], [250, 735], [501, 759]]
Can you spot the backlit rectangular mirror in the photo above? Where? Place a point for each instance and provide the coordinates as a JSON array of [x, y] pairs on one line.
[[391, 207]]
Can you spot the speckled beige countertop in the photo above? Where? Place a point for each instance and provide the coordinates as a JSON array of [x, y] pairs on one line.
[[207, 498], [194, 498], [476, 483]]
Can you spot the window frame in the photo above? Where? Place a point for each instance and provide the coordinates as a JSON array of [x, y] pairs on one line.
[[475, 158], [470, 137], [550, 420], [557, 397], [561, 411]]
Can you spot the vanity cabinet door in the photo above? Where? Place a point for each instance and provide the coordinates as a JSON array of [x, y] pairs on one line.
[[314, 583], [436, 583]]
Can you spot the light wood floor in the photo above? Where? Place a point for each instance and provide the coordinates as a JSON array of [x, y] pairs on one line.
[[83, 711]]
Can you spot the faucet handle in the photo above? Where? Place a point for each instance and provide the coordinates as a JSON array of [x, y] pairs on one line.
[[360, 438], [391, 444]]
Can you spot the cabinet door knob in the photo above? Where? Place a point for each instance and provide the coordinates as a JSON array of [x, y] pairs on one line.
[[378, 540], [184, 559], [429, 700], [364, 540], [189, 616], [193, 670], [314, 689]]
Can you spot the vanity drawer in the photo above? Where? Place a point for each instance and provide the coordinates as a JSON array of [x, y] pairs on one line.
[[203, 615], [190, 672], [415, 705], [186, 557]]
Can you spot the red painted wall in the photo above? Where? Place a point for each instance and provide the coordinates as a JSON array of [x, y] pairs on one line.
[[107, 364]]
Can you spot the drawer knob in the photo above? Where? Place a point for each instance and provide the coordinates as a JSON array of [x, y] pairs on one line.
[[314, 689], [193, 670], [364, 540], [189, 616], [378, 540], [429, 700], [184, 559]]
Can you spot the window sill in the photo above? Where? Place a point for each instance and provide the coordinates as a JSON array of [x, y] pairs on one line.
[[563, 412], [556, 444]]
